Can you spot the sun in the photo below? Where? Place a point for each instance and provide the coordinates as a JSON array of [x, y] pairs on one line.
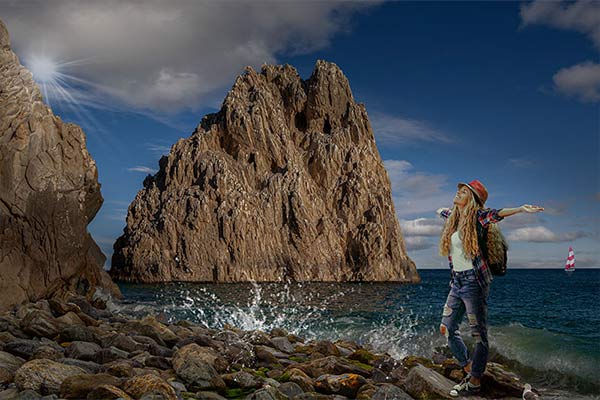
[[44, 69]]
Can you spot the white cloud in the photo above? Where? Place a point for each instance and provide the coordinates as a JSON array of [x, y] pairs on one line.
[[422, 227], [417, 243], [542, 234], [158, 149], [168, 56], [416, 192], [581, 80], [392, 130], [582, 16], [140, 168]]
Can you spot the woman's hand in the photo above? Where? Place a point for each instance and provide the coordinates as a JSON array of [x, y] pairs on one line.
[[528, 208]]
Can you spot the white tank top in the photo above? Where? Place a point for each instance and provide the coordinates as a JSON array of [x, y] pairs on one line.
[[459, 261]]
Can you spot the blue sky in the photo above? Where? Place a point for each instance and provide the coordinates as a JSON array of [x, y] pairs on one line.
[[503, 92]]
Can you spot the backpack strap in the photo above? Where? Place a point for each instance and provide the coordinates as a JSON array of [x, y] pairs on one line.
[[482, 239]]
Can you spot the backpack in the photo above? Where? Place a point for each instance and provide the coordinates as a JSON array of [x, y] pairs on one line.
[[493, 247]]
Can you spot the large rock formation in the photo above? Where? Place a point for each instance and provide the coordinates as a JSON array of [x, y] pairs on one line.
[[49, 192], [283, 183]]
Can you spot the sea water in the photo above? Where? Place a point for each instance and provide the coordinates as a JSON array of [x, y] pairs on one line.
[[543, 323]]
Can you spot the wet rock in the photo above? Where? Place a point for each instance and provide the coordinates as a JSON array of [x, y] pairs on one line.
[[82, 351], [122, 342], [327, 348], [284, 182], [140, 385], [267, 393], [282, 344], [257, 338], [108, 392], [498, 382], [78, 386], [424, 383], [345, 384], [194, 365], [362, 355], [205, 354], [388, 391], [44, 376], [242, 379], [298, 377], [143, 329]]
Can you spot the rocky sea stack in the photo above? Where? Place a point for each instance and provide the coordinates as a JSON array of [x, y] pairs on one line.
[[49, 193], [284, 183]]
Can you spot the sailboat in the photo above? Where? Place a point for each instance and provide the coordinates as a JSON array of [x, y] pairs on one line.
[[570, 265]]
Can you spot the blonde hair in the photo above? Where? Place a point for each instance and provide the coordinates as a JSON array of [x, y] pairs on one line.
[[463, 221]]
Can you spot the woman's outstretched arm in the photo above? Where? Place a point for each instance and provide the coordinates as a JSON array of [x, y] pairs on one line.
[[528, 208]]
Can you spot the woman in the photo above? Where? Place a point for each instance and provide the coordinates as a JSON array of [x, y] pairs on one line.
[[471, 278]]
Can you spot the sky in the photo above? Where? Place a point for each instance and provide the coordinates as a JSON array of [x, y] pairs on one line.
[[504, 92]]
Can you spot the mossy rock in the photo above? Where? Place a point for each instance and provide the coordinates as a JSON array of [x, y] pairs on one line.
[[361, 365], [237, 393], [284, 377], [362, 355], [412, 361], [297, 359], [188, 395]]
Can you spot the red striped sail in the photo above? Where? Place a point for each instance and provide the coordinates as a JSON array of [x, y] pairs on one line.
[[570, 265]]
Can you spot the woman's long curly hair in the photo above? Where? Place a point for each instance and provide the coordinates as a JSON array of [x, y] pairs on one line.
[[466, 227]]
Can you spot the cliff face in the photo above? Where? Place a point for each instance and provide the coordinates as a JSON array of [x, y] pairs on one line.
[[49, 192], [283, 183]]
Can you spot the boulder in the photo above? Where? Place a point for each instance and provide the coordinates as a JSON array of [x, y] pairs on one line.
[[425, 383], [242, 379], [388, 391], [108, 392], [345, 384], [138, 386], [85, 351], [49, 193], [78, 386], [44, 376], [194, 366], [284, 183], [8, 366]]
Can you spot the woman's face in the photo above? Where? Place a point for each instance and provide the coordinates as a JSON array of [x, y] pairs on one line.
[[462, 196]]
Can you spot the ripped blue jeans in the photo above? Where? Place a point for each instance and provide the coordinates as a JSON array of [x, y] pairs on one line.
[[467, 296]]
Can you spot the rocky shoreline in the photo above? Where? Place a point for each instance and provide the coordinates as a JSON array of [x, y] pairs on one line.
[[76, 350]]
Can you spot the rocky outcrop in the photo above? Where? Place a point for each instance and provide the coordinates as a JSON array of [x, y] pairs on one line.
[[49, 192], [285, 182]]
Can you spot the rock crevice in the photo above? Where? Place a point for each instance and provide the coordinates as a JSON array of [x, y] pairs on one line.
[[285, 182]]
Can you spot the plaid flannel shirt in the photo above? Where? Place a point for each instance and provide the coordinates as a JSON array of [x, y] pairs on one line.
[[480, 265]]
